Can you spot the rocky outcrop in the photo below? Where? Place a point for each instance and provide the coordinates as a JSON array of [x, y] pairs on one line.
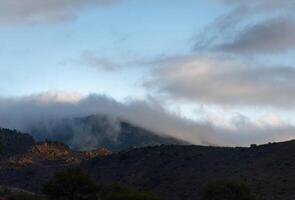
[[54, 153], [96, 152]]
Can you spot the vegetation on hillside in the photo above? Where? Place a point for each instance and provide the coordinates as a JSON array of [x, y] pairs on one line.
[[71, 184], [228, 190], [76, 184]]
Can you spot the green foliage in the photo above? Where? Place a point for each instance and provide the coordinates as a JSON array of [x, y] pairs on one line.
[[71, 184], [228, 190]]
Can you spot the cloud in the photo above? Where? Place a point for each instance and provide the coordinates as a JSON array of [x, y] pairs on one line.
[[251, 27], [93, 60], [267, 5], [50, 11], [25, 112], [271, 36], [90, 59], [218, 81]]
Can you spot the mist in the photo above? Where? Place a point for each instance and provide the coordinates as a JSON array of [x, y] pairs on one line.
[[50, 109]]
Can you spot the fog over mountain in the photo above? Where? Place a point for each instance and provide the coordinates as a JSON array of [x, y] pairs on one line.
[[165, 96], [42, 114]]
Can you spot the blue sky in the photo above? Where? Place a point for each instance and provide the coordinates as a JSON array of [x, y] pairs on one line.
[[40, 57], [227, 67]]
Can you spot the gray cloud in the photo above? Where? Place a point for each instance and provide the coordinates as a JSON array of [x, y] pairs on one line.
[[270, 36], [24, 112], [251, 27], [93, 60], [51, 11], [212, 80], [262, 4]]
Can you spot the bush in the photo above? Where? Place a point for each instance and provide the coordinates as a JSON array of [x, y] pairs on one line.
[[227, 190], [75, 184], [113, 188], [24, 196], [71, 184], [117, 191], [132, 196]]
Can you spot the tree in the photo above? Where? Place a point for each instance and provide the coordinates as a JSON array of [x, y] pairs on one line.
[[227, 190], [117, 191], [133, 196], [71, 184]]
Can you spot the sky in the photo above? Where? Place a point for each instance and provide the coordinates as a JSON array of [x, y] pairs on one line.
[[210, 71]]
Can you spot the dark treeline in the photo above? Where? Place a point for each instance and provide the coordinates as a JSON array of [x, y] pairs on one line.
[[76, 184]]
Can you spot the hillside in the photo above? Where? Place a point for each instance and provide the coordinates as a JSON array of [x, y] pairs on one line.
[[53, 154], [98, 131], [20, 150], [179, 172], [14, 143]]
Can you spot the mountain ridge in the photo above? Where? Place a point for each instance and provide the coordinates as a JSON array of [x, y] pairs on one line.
[[86, 133], [177, 172]]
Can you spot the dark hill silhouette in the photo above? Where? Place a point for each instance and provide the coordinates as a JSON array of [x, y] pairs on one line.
[[179, 172], [13, 143]]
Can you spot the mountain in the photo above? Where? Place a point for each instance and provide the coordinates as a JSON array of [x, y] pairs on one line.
[[21, 150], [53, 154], [179, 172], [99, 131], [13, 143], [171, 171]]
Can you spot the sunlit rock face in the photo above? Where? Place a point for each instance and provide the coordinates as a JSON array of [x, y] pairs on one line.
[[20, 150], [54, 154]]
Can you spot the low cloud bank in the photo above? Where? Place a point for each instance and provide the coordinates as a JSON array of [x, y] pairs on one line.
[[25, 112]]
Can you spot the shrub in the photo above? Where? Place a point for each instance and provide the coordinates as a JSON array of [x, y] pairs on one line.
[[117, 191], [75, 184], [113, 188], [227, 190], [71, 184], [24, 196], [132, 196]]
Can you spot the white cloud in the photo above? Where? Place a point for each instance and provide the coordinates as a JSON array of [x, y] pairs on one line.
[[58, 96], [211, 80]]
